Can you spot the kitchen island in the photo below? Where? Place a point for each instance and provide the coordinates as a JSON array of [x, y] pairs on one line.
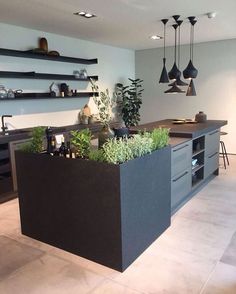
[[190, 142], [112, 213]]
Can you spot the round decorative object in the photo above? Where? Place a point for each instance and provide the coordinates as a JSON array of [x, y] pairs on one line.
[[3, 92], [105, 134], [121, 132], [54, 53], [200, 117], [43, 44]]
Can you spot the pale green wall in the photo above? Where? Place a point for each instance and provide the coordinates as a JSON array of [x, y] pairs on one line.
[[114, 65]]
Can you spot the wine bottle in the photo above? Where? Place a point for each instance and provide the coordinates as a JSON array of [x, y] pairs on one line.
[[68, 151], [62, 149]]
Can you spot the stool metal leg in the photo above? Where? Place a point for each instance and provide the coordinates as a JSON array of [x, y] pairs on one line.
[[223, 153]]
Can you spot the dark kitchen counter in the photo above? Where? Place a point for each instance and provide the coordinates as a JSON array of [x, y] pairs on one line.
[[186, 130]]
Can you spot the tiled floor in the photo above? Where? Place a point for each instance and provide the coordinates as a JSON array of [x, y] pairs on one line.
[[197, 254]]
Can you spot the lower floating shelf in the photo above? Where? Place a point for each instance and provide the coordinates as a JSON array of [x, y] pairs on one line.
[[47, 96]]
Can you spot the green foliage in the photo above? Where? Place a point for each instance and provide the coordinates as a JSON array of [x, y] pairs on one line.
[[121, 150], [132, 101], [159, 137], [81, 141], [96, 155], [117, 151], [36, 144], [103, 103]]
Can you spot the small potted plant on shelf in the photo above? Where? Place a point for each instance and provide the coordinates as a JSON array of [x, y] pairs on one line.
[[104, 105]]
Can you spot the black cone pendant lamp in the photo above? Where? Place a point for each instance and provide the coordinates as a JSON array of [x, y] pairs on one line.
[[179, 82], [164, 76], [174, 73], [190, 71]]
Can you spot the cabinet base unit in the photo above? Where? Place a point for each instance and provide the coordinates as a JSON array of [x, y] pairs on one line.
[[107, 213]]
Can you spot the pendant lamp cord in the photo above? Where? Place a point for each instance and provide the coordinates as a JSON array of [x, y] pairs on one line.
[[192, 40], [175, 42], [164, 40], [179, 49]]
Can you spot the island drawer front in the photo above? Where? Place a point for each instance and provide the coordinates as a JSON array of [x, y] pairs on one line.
[[4, 154], [181, 156], [180, 187], [212, 141], [211, 163], [5, 185]]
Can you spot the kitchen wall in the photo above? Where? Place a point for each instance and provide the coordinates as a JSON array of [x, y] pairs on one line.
[[215, 85], [115, 65]]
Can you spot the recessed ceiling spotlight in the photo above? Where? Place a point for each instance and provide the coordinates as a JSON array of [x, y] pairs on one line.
[[211, 14], [156, 37], [85, 14]]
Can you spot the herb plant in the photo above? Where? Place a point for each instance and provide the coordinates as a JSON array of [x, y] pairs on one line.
[[36, 144], [81, 141], [132, 101]]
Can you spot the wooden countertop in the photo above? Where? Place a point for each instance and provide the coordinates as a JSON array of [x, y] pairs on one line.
[[186, 130]]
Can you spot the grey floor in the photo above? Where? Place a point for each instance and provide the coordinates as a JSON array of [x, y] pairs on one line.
[[197, 254]]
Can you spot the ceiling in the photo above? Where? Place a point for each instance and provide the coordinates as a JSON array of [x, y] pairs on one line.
[[122, 23]]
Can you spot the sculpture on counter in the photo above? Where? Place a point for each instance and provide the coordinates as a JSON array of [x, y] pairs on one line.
[[85, 114], [54, 90]]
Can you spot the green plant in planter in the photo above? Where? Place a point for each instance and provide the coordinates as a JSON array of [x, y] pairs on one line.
[[81, 141], [97, 155], [159, 136], [132, 101], [36, 144]]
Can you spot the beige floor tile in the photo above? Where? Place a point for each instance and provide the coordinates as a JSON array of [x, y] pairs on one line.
[[213, 211], [109, 287], [85, 263], [167, 271], [50, 275], [222, 280], [196, 237], [14, 255], [229, 256]]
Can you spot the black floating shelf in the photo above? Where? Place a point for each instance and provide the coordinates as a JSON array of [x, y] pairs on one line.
[[42, 76], [28, 54], [47, 96]]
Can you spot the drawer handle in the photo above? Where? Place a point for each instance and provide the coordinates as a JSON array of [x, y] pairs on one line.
[[214, 154], [213, 133], [180, 148], [184, 174]]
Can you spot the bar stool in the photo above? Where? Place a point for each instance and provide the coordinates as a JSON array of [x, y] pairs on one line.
[[223, 151]]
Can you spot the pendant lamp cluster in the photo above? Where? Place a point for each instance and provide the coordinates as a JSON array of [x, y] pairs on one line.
[[174, 74]]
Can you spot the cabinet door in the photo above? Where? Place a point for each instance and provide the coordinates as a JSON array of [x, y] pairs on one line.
[[212, 142], [16, 145], [181, 157], [181, 186], [211, 163]]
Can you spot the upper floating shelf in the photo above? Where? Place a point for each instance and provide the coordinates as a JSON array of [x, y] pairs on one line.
[[27, 54], [42, 76]]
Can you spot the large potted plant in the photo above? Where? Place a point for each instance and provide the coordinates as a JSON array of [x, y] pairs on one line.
[[108, 208], [132, 101]]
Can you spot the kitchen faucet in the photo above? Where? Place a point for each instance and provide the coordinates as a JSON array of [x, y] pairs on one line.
[[4, 128]]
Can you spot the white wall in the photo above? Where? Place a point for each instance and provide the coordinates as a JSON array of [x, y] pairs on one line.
[[115, 65], [215, 85]]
